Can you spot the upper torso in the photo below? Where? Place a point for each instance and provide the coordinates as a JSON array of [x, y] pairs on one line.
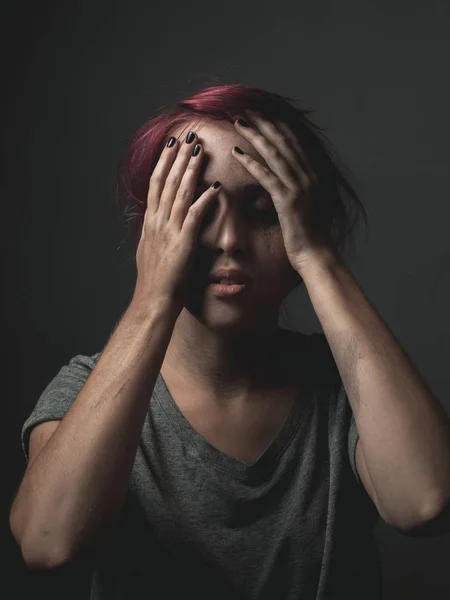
[[222, 518], [242, 428]]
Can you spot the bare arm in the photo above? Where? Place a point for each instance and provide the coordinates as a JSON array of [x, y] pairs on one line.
[[404, 431], [71, 495]]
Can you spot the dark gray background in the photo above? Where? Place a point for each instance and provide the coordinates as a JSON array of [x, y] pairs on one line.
[[80, 77]]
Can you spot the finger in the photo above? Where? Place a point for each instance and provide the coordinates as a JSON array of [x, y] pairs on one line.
[[272, 146], [290, 135], [303, 171], [264, 176], [176, 174], [198, 210], [159, 174], [188, 185]]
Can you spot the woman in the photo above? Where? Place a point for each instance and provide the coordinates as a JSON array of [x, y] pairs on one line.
[[206, 450]]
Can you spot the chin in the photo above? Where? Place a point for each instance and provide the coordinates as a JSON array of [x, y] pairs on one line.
[[208, 309]]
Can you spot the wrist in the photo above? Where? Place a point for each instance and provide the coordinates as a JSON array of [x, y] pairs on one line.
[[147, 307], [318, 259]]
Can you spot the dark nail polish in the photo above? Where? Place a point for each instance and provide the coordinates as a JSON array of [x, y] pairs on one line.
[[190, 137], [216, 184], [196, 150], [243, 123], [171, 142], [239, 150]]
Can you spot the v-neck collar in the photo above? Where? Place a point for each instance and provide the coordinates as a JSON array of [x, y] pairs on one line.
[[223, 461]]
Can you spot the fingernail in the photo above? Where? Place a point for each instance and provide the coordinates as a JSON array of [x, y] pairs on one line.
[[190, 137], [239, 150], [243, 123], [171, 142]]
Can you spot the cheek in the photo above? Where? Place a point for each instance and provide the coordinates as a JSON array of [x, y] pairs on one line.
[[274, 247], [278, 266]]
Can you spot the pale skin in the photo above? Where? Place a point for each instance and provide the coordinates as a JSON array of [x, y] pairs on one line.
[[231, 350], [403, 452]]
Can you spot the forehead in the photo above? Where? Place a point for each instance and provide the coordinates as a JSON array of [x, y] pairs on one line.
[[218, 139]]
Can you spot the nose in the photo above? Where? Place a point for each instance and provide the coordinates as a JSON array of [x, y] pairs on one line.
[[224, 229]]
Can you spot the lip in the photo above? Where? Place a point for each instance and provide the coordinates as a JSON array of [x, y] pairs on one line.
[[236, 274], [222, 290]]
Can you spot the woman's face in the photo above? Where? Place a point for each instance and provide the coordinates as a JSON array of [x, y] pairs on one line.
[[240, 230]]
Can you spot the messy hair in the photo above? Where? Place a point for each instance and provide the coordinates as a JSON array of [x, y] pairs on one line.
[[340, 203]]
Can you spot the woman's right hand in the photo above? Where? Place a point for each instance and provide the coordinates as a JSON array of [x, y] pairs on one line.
[[168, 243]]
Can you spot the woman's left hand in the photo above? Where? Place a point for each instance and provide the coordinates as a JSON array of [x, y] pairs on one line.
[[291, 183]]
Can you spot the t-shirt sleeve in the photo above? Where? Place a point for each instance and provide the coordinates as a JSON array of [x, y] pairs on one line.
[[58, 396], [353, 437]]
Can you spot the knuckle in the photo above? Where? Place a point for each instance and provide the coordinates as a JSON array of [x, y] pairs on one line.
[[184, 193], [149, 217], [148, 226], [274, 153], [192, 164], [196, 206], [191, 217], [172, 181], [156, 177]]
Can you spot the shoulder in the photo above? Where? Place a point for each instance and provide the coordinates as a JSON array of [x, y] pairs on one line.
[[84, 361]]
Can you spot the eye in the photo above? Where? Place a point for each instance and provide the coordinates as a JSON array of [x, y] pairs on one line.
[[268, 216], [262, 205]]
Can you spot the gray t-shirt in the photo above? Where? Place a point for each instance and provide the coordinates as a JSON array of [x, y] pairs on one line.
[[199, 523]]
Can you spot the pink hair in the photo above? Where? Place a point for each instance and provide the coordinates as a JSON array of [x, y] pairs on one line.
[[225, 103]]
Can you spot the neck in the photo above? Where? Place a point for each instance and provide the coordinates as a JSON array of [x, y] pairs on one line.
[[226, 367]]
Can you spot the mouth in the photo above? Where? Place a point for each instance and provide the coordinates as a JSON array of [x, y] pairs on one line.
[[228, 281], [226, 290]]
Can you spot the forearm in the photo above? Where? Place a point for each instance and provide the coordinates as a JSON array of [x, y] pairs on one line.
[[72, 494], [404, 431]]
